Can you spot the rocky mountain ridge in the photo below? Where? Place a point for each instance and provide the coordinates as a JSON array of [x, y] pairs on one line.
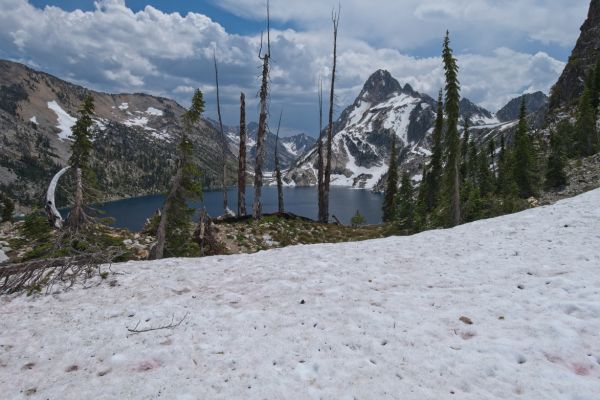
[[584, 57], [289, 149], [135, 137]]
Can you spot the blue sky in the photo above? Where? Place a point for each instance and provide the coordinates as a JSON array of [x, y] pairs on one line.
[[504, 48]]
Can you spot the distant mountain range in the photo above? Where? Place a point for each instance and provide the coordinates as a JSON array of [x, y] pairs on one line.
[[289, 148]]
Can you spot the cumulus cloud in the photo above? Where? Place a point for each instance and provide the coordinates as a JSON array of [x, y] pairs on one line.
[[113, 48]]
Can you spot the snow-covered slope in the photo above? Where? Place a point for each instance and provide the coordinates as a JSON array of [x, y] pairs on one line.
[[372, 320]]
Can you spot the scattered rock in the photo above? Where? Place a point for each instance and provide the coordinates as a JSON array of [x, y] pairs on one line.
[[302, 301], [466, 320]]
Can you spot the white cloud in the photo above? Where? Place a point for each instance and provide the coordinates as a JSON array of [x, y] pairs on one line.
[[115, 49]]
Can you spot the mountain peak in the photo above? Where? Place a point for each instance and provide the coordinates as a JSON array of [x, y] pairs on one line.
[[379, 87]]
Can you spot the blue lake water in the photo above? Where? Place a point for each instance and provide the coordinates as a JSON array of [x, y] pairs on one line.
[[343, 203]]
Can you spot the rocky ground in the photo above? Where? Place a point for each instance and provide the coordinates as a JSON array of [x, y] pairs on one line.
[[583, 175], [275, 232]]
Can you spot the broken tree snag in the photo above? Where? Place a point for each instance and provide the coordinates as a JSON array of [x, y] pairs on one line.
[[242, 159], [327, 179], [77, 216], [54, 217], [278, 170], [206, 237], [320, 204], [223, 139], [262, 122], [158, 250]]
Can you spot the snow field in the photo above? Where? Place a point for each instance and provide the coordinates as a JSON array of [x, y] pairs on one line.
[[371, 320]]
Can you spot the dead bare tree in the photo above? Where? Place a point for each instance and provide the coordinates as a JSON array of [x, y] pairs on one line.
[[262, 121], [322, 218], [242, 159], [36, 275], [278, 170], [206, 237], [327, 178], [223, 139], [158, 251]]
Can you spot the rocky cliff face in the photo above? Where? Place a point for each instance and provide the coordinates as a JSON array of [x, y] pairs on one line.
[[533, 103], [135, 137], [584, 56]]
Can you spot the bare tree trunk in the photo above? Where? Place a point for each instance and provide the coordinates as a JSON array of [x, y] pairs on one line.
[[223, 140], [54, 217], [77, 216], [262, 124], [242, 159], [278, 170], [327, 178], [320, 171], [161, 233]]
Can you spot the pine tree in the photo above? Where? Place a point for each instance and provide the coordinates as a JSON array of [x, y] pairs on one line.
[[421, 204], [391, 188], [555, 171], [585, 128], [174, 232], [464, 165], [406, 204], [485, 178], [492, 153], [8, 208], [523, 157], [80, 162], [504, 179], [452, 145], [596, 88], [433, 177]]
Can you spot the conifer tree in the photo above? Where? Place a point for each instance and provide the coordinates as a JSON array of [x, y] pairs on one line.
[[452, 143], [421, 204], [523, 157], [596, 88], [174, 230], [485, 179], [8, 208], [585, 128], [492, 154], [464, 166], [391, 188], [433, 177], [555, 171], [406, 204], [80, 162], [506, 187]]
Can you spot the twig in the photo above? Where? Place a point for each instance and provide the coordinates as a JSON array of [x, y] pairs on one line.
[[168, 326]]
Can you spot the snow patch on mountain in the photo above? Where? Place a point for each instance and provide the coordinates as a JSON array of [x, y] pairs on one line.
[[154, 112], [123, 106], [65, 121], [33, 120]]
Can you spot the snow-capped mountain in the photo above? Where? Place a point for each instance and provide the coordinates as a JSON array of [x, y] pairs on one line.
[[384, 109], [289, 149]]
